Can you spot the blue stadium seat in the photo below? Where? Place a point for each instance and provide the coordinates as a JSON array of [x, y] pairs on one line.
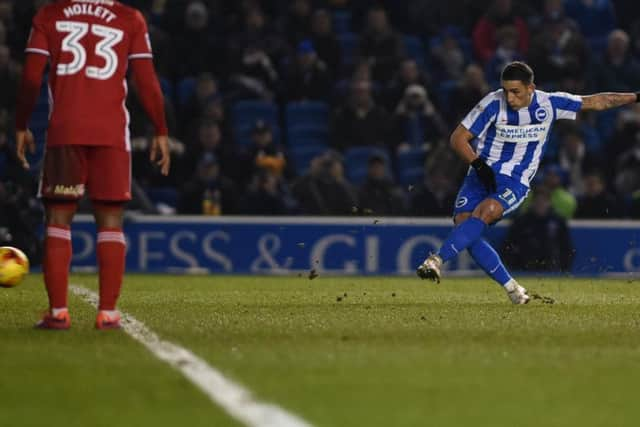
[[414, 49], [307, 113], [606, 123], [411, 176], [356, 159], [341, 21], [302, 156], [443, 92], [299, 133], [356, 175], [411, 158], [167, 87], [185, 90], [247, 113], [349, 46]]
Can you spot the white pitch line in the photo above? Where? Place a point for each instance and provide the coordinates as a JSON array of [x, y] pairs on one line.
[[232, 397]]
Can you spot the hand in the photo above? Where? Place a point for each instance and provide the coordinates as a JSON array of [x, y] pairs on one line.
[[485, 174], [160, 148], [24, 139]]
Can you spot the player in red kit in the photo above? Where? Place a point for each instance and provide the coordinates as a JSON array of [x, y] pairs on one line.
[[89, 45]]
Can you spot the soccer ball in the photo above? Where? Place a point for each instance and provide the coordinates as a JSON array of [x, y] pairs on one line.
[[14, 265]]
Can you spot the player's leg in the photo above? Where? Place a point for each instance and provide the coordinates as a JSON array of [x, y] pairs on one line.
[[109, 188], [488, 259], [62, 184], [480, 211], [111, 250]]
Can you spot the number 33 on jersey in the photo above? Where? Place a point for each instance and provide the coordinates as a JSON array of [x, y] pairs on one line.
[[89, 44]]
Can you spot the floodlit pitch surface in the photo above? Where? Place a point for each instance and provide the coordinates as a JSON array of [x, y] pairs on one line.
[[333, 351]]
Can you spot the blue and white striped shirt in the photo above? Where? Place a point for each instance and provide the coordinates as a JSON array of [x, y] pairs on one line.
[[513, 142]]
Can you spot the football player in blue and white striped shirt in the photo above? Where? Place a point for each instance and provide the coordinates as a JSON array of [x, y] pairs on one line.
[[503, 139]]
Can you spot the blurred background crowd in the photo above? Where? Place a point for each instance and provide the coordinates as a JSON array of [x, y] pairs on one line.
[[342, 107]]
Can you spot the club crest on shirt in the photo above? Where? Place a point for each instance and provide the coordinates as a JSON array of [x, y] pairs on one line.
[[541, 114], [461, 202]]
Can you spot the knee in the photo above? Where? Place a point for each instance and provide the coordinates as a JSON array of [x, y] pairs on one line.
[[488, 212]]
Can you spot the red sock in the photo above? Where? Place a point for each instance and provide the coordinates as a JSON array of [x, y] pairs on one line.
[[57, 257], [111, 253]]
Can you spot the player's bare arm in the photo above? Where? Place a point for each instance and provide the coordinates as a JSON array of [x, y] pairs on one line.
[[461, 143], [607, 100]]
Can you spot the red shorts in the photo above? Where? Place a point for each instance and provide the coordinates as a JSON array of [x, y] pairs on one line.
[[70, 170]]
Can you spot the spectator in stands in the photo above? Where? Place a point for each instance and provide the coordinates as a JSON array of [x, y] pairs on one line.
[[206, 88], [596, 201], [324, 189], [254, 55], [297, 23], [209, 140], [539, 239], [625, 135], [467, 93], [558, 50], [596, 18], [575, 160], [506, 52], [379, 195], [500, 13], [563, 202], [618, 70], [360, 121], [436, 194], [258, 34], [264, 153], [380, 45], [408, 74], [20, 212], [325, 42], [9, 79], [448, 56], [308, 77], [208, 192], [416, 122], [265, 195], [198, 50], [627, 177]]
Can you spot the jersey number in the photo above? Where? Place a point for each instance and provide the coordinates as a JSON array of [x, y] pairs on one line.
[[109, 37]]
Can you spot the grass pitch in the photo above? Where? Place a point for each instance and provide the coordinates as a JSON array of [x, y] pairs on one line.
[[335, 351]]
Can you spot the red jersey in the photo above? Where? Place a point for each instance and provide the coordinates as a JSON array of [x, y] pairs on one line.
[[89, 44]]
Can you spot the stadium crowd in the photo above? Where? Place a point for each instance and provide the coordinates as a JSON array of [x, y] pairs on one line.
[[341, 107]]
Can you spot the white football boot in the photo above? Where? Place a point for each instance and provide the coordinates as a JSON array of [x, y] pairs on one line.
[[430, 268], [517, 294]]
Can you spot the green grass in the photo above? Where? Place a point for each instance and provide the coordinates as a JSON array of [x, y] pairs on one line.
[[392, 352]]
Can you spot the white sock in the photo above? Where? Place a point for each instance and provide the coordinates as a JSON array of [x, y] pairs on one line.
[[511, 285]]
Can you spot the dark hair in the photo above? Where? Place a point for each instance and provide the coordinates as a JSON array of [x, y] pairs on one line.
[[517, 70]]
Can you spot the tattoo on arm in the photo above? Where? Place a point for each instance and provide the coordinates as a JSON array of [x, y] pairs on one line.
[[607, 100]]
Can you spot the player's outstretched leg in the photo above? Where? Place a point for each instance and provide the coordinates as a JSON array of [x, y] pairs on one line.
[[111, 248], [460, 238], [55, 265], [488, 259]]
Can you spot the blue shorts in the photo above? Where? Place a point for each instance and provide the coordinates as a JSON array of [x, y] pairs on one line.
[[510, 193]]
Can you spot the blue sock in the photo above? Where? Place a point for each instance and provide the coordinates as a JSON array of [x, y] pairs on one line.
[[489, 260], [461, 237]]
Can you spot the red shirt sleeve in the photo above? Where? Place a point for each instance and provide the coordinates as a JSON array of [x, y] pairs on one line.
[[140, 44], [38, 42], [150, 94], [37, 56]]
